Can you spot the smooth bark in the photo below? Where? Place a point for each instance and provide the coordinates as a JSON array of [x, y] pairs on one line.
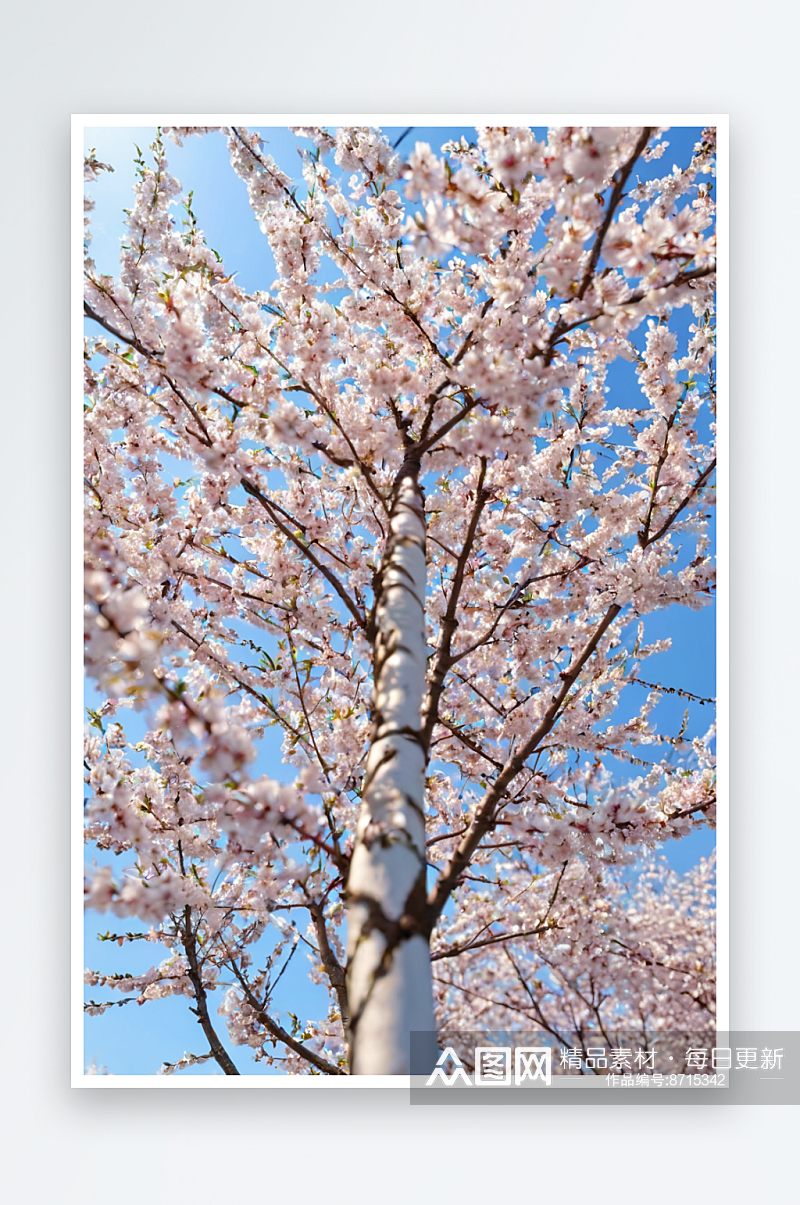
[[389, 969]]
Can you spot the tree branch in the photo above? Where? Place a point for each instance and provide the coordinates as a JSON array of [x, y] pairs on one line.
[[327, 573], [333, 968], [698, 485], [453, 951], [486, 813], [154, 357], [277, 1030], [645, 533], [467, 742], [449, 623], [616, 196], [195, 975]]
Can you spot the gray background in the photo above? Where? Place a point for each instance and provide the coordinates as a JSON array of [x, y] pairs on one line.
[[586, 57]]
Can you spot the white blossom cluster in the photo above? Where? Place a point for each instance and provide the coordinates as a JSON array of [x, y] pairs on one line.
[[490, 298]]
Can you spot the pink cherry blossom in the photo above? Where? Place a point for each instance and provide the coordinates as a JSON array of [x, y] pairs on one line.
[[433, 480]]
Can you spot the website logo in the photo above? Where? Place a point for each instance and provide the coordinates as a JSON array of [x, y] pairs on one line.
[[495, 1065]]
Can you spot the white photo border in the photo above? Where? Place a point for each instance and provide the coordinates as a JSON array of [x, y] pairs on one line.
[[79, 1078]]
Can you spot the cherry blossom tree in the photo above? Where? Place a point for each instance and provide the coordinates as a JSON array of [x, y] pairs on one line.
[[629, 969], [409, 505]]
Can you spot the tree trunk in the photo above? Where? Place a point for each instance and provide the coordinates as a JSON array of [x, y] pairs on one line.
[[389, 968]]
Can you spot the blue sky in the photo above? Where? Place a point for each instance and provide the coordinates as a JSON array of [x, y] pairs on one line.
[[133, 1039]]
